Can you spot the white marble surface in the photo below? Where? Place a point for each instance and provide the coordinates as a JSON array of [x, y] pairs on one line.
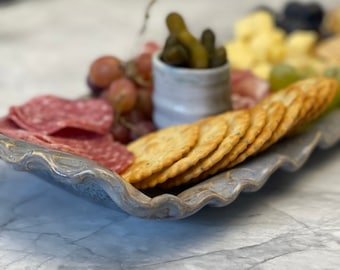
[[46, 47]]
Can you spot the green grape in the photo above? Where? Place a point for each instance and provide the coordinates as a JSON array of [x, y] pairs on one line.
[[281, 76], [307, 72], [334, 72]]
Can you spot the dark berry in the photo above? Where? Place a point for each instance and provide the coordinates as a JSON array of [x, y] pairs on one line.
[[290, 25], [294, 10]]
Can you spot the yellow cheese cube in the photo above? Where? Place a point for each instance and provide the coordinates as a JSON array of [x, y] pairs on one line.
[[260, 44], [300, 42], [278, 35], [240, 55], [262, 70], [276, 53], [258, 21]]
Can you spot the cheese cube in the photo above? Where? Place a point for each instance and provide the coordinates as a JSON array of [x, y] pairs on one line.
[[240, 55], [258, 21], [300, 42]]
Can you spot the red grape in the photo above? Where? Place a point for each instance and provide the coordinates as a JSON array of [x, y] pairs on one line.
[[104, 70], [144, 101], [134, 116], [95, 90], [150, 47], [122, 95], [143, 63], [121, 133], [142, 128]]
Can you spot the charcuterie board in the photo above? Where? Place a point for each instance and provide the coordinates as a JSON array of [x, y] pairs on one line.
[[87, 179]]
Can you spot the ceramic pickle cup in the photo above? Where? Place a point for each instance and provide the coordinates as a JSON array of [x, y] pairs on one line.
[[184, 95]]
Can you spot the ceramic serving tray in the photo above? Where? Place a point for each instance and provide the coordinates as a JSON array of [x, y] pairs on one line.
[[86, 178]]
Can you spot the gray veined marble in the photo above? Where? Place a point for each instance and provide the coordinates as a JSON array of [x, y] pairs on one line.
[[293, 221]]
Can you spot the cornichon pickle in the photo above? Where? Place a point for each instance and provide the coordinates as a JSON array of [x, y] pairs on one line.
[[198, 56], [198, 53], [208, 40], [170, 41], [186, 38], [219, 58], [175, 23], [176, 55]]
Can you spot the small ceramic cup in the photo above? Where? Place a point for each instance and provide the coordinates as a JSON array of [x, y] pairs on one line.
[[184, 95]]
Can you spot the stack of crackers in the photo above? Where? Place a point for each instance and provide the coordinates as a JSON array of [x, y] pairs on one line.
[[188, 153]]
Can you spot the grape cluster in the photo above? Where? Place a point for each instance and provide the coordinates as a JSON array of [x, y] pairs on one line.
[[299, 16], [282, 75], [127, 86], [334, 72]]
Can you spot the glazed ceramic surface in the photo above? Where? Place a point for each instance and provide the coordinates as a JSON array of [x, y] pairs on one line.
[[183, 95], [87, 179]]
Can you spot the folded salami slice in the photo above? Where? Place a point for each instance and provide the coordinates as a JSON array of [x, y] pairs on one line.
[[99, 148], [247, 89], [10, 129], [49, 114]]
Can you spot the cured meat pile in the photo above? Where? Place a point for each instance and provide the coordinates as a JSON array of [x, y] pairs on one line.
[[247, 89], [81, 127]]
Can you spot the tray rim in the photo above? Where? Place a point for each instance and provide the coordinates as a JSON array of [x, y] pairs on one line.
[[88, 179]]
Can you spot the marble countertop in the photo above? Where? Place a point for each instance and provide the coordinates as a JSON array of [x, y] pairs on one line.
[[46, 47]]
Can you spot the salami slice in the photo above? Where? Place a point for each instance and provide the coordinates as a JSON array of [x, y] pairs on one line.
[[49, 114], [10, 129], [247, 89], [242, 102], [99, 148]]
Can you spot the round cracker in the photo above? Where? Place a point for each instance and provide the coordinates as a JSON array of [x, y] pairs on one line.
[[159, 150], [321, 92], [275, 113], [238, 123], [211, 132], [327, 90], [258, 120], [293, 101]]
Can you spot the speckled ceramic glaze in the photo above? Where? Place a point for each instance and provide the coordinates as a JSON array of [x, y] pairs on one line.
[[183, 95], [88, 179]]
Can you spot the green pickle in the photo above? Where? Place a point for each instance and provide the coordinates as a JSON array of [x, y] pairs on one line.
[[198, 53], [175, 23], [186, 38], [208, 40], [171, 40], [183, 49], [176, 55], [198, 56], [219, 58]]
